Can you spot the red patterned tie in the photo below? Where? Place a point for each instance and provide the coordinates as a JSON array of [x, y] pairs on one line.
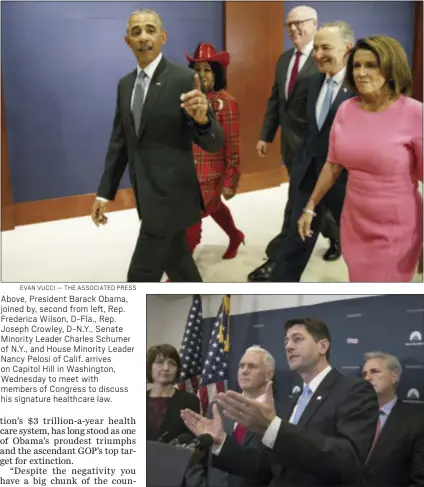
[[239, 433], [294, 72]]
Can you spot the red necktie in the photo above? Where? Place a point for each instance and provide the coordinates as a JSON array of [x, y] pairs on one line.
[[239, 433], [377, 433], [294, 72]]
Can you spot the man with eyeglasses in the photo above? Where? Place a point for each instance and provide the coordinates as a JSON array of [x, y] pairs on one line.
[[287, 109]]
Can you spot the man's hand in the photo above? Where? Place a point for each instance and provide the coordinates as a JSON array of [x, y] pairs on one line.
[[228, 193], [98, 212], [195, 103], [304, 226], [253, 415], [261, 148], [199, 425]]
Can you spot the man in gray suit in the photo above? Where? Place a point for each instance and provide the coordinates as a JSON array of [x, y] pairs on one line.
[[160, 111], [287, 109], [256, 369]]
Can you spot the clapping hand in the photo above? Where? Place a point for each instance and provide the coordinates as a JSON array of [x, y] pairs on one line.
[[199, 425], [253, 415]]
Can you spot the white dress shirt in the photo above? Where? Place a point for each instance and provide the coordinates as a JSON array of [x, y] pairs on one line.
[[305, 54], [271, 433], [150, 71], [338, 80]]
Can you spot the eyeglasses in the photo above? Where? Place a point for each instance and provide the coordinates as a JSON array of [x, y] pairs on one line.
[[296, 23]]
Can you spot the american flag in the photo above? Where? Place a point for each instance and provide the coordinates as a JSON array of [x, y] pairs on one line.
[[191, 348], [215, 368]]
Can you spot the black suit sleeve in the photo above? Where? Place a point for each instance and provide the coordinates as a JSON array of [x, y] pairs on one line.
[[417, 460], [272, 118], [116, 158], [341, 456], [252, 464], [193, 403]]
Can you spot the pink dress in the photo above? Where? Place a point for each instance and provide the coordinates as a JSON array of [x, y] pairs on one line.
[[381, 222]]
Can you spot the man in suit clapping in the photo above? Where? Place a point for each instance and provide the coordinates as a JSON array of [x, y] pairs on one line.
[[322, 437], [256, 369]]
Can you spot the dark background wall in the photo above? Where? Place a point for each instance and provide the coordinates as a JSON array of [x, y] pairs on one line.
[[61, 64], [357, 326], [394, 19]]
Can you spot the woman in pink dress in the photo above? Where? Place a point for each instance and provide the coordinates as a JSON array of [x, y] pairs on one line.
[[378, 137]]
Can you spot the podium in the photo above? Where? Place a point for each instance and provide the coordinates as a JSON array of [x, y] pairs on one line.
[[166, 464]]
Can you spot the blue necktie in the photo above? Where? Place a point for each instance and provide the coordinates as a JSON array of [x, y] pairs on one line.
[[138, 100], [301, 404], [327, 102]]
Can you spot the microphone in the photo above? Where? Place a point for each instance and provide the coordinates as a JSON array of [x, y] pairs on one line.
[[162, 436], [205, 441], [183, 439]]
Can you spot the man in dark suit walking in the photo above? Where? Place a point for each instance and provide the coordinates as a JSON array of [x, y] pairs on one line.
[[326, 92], [397, 456], [322, 437], [160, 111], [287, 109]]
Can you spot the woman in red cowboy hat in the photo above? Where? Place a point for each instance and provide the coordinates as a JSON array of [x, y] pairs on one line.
[[217, 173]]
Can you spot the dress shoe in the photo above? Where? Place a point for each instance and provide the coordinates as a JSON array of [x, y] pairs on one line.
[[235, 243], [262, 273], [333, 252]]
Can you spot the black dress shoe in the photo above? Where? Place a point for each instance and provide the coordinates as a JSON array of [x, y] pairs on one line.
[[333, 252], [262, 273]]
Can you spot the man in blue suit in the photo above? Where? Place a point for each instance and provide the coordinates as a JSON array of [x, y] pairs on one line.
[[326, 92]]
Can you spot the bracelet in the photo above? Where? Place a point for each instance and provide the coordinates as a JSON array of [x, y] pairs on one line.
[[309, 212]]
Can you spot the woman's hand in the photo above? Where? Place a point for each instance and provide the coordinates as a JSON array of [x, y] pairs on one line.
[[304, 225], [420, 262], [228, 193]]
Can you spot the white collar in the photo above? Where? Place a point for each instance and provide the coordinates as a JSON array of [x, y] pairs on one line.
[[306, 50], [339, 77], [151, 68], [316, 381], [259, 399]]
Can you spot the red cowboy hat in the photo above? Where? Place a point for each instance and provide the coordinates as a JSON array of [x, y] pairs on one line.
[[205, 52]]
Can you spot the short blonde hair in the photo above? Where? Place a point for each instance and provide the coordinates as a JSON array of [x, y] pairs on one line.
[[392, 61]]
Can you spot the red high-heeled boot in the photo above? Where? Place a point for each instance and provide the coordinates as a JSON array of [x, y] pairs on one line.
[[225, 220]]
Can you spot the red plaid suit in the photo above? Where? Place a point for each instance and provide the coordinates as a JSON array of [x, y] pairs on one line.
[[219, 170]]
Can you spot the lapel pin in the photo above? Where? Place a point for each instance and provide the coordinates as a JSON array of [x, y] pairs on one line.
[[319, 398], [158, 83], [345, 89]]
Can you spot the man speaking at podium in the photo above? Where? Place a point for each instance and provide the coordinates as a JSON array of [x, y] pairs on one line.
[[322, 438]]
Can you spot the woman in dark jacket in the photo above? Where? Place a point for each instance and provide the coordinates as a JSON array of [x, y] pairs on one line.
[[164, 401]]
